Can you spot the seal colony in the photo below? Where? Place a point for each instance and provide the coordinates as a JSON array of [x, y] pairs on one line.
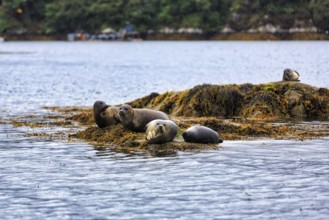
[[236, 112], [269, 101], [159, 129]]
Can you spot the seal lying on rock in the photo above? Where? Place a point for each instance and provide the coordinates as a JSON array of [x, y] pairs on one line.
[[201, 134], [105, 115], [136, 119], [290, 75], [161, 131]]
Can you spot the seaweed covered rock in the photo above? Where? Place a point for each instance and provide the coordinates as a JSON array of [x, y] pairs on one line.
[[209, 100], [115, 135], [262, 101], [144, 101], [263, 104], [231, 110]]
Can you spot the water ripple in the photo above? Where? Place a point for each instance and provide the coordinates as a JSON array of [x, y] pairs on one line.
[[267, 179]]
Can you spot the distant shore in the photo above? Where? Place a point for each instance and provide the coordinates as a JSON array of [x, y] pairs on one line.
[[182, 37]]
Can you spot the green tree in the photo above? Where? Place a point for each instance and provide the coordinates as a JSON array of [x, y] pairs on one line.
[[143, 14], [209, 15], [247, 14], [284, 13], [105, 13], [65, 16], [26, 14], [320, 14]]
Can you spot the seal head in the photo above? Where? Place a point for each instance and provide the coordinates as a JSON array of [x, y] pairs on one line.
[[161, 131], [105, 115], [126, 114], [201, 134], [290, 75]]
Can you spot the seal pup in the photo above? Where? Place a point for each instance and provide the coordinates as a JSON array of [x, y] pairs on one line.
[[201, 134], [161, 131], [135, 119], [105, 115], [290, 75]]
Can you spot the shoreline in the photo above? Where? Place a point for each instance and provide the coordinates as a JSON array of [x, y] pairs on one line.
[[238, 36]]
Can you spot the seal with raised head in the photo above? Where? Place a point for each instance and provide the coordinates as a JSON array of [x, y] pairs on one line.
[[161, 131], [135, 119], [105, 115], [201, 134], [290, 75]]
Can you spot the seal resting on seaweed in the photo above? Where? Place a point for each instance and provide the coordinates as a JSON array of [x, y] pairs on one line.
[[135, 119], [201, 134], [105, 115], [290, 75], [161, 131]]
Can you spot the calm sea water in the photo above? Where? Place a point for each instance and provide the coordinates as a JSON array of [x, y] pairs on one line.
[[265, 179]]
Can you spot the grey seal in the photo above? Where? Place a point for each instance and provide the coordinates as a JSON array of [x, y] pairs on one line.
[[135, 119], [290, 75], [201, 134], [161, 131], [105, 115]]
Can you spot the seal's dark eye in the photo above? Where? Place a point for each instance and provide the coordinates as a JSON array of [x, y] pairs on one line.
[[164, 125]]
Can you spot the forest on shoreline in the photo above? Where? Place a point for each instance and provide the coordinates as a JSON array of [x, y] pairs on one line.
[[158, 17]]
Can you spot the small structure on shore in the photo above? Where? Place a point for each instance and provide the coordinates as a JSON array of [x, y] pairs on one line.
[[127, 33]]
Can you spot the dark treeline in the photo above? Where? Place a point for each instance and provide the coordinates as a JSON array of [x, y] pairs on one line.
[[210, 16]]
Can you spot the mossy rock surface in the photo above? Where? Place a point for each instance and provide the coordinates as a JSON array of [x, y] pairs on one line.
[[118, 138], [236, 112], [275, 100]]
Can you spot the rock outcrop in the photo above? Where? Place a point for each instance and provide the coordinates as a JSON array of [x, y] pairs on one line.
[[264, 101]]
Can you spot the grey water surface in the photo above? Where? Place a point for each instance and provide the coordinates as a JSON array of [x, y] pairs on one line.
[[264, 179]]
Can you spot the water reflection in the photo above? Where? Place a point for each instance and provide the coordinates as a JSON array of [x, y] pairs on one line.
[[127, 154]]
